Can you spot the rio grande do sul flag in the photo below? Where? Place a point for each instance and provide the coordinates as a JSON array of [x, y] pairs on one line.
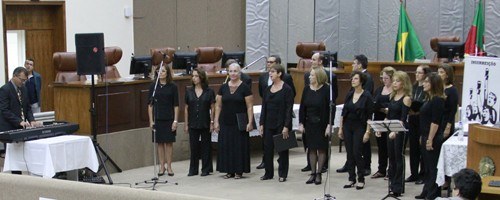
[[474, 45], [408, 47]]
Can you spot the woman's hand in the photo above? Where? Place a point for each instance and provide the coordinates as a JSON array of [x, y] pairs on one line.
[[366, 137], [378, 134], [174, 125], [327, 131], [341, 134], [428, 145], [285, 133], [261, 130], [446, 132], [301, 128], [392, 135], [186, 128], [216, 126], [249, 127], [152, 125]]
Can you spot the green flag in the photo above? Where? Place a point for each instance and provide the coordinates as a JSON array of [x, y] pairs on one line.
[[408, 47], [474, 45]]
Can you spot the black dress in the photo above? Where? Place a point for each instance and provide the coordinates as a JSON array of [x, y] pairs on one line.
[[450, 109], [414, 132], [166, 98], [233, 155], [381, 101], [397, 111], [313, 114]]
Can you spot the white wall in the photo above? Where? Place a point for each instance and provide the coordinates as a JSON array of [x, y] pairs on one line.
[[92, 16], [2, 53]]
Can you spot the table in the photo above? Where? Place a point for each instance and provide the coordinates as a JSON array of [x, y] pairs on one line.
[[488, 192], [452, 158], [47, 156]]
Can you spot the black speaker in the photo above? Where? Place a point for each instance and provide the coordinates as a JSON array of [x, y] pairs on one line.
[[90, 53]]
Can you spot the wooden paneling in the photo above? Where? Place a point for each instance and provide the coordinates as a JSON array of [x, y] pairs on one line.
[[483, 141], [44, 25], [123, 105]]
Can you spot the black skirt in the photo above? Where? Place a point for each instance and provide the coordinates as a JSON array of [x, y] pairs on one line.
[[164, 131], [233, 150]]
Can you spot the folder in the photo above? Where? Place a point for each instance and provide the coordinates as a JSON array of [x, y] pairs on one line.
[[242, 119], [281, 144]]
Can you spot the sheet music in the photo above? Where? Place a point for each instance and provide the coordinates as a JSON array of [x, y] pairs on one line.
[[387, 126]]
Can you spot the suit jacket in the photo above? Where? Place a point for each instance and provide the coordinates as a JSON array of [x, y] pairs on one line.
[[10, 107], [368, 86], [247, 80], [264, 78], [38, 86]]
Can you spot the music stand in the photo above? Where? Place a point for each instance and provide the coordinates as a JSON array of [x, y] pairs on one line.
[[391, 126]]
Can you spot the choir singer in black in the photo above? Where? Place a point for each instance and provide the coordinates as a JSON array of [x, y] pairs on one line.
[[276, 118]]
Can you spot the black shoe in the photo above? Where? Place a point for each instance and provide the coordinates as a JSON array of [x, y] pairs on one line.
[[204, 174], [192, 174], [360, 186], [395, 194], [260, 166], [350, 185], [317, 181], [263, 178], [367, 172], [411, 179], [305, 169], [342, 169], [419, 182], [311, 179], [420, 197]]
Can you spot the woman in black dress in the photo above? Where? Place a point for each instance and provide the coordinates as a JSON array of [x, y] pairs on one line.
[[431, 116], [398, 109], [447, 74], [198, 122], [163, 111], [233, 153], [418, 98], [276, 118], [314, 120], [354, 129], [381, 97]]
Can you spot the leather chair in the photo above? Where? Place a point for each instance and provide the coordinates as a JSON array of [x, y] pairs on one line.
[[209, 58], [305, 51], [65, 64], [434, 45], [113, 56], [157, 55]]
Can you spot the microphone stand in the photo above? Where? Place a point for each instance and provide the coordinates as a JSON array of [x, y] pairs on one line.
[[327, 195], [155, 180]]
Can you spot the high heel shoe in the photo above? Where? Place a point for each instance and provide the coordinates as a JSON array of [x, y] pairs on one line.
[[360, 186], [162, 172], [317, 181], [350, 185], [169, 173], [311, 179]]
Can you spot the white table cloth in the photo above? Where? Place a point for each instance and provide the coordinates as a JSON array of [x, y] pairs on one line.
[[47, 156], [452, 158]]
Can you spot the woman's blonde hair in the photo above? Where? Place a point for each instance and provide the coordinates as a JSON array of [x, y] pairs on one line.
[[405, 79], [321, 77]]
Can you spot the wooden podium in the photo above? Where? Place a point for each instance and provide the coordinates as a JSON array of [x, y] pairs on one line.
[[483, 141]]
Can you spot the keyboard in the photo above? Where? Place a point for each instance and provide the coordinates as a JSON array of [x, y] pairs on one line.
[[47, 130]]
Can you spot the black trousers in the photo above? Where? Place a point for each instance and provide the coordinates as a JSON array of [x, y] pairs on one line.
[[396, 163], [353, 139], [200, 144], [382, 153], [283, 161], [414, 140], [431, 189]]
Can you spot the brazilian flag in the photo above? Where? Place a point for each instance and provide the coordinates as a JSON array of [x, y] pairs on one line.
[[408, 47]]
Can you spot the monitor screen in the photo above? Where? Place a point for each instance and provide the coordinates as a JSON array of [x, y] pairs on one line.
[[450, 50], [140, 65], [239, 56], [327, 56], [185, 60]]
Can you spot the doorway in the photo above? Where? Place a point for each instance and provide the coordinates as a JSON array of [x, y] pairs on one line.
[[34, 30]]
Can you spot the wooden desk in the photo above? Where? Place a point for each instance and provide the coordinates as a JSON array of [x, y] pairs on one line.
[[374, 68], [483, 141], [121, 104], [488, 192]]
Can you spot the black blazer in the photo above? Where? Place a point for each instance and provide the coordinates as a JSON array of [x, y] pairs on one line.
[[10, 107], [368, 86], [264, 77]]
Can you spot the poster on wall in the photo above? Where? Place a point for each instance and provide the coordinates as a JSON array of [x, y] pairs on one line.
[[480, 90]]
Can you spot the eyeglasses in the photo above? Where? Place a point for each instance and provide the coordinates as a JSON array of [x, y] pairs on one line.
[[23, 80]]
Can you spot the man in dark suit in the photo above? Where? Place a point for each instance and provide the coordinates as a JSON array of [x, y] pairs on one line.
[[14, 105], [360, 63], [317, 62], [265, 81]]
